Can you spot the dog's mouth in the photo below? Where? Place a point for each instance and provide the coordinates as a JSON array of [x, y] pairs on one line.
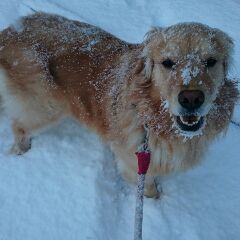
[[189, 123]]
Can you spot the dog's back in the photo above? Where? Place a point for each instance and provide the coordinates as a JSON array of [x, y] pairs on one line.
[[50, 67]]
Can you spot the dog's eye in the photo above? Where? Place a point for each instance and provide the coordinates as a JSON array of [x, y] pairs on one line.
[[168, 63], [210, 62]]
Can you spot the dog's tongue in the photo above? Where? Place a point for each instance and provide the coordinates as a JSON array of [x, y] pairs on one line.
[[190, 119]]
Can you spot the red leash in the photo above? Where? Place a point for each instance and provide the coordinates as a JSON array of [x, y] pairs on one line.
[[143, 157]]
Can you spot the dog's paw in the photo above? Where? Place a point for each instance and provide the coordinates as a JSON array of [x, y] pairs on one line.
[[19, 148], [151, 191]]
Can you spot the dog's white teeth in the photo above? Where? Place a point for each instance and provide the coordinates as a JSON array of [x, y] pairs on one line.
[[189, 123], [184, 121]]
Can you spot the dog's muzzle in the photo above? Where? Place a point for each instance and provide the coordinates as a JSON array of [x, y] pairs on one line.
[[190, 101]]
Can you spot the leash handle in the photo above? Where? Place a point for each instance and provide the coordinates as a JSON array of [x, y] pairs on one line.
[[139, 208], [143, 164]]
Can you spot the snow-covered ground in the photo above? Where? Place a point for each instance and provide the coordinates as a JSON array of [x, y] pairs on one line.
[[67, 186]]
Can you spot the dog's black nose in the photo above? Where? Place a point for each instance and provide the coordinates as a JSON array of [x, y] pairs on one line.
[[191, 99]]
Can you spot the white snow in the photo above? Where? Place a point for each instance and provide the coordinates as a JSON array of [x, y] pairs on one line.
[[190, 71], [67, 186]]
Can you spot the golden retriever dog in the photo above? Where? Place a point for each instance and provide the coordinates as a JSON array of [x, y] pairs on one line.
[[174, 84]]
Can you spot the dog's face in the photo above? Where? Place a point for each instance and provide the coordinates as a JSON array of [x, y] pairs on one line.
[[187, 64]]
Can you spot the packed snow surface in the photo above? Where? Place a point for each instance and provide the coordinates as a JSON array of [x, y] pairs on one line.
[[67, 186]]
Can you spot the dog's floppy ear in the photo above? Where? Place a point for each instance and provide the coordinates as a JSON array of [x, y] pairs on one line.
[[145, 62], [226, 45], [225, 41], [145, 65]]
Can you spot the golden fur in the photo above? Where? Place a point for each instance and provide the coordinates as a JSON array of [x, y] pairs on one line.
[[52, 67]]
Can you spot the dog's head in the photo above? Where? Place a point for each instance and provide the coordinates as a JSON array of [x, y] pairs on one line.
[[187, 65]]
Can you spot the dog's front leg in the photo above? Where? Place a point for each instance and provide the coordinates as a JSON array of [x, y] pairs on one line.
[[22, 142], [151, 189]]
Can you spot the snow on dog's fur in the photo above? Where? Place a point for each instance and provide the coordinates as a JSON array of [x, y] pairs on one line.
[[174, 83]]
